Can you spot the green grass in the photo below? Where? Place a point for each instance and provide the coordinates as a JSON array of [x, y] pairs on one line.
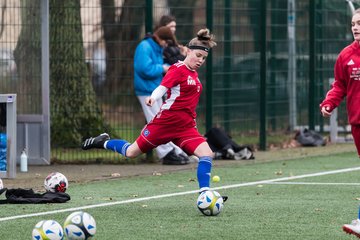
[[259, 211]]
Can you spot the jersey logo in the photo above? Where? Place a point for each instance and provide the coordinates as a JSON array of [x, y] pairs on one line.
[[351, 62], [191, 81], [146, 132]]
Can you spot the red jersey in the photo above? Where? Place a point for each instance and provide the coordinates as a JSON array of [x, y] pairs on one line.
[[176, 119], [347, 83], [184, 89]]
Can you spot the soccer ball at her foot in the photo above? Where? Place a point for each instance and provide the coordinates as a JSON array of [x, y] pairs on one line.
[[210, 203], [56, 182], [47, 230], [80, 226]]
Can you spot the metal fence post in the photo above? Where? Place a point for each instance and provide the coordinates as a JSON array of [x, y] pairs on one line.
[[149, 16], [227, 63], [263, 66], [312, 66], [149, 28], [45, 81], [209, 83]]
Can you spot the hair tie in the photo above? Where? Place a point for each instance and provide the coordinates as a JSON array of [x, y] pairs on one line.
[[202, 38]]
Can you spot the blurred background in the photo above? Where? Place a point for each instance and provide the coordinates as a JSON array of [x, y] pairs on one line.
[[70, 63]]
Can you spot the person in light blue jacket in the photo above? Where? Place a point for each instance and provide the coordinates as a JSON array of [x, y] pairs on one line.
[[149, 69], [148, 62]]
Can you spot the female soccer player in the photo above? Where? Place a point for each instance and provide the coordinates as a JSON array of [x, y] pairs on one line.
[[176, 119], [149, 69], [347, 83]]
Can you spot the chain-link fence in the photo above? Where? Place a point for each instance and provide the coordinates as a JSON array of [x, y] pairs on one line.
[[273, 57]]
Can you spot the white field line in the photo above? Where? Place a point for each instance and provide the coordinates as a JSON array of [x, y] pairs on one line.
[[179, 194], [315, 183]]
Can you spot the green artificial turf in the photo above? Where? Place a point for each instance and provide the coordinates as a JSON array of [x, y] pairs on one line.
[[257, 211]]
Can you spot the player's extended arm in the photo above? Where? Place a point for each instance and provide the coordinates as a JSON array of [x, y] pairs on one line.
[[155, 95]]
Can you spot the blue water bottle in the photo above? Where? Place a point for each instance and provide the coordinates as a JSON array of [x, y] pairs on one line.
[[3, 148]]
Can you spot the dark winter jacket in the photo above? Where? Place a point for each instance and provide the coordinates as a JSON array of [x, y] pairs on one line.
[[172, 55]]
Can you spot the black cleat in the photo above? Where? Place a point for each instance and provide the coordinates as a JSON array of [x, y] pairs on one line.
[[225, 198], [95, 142]]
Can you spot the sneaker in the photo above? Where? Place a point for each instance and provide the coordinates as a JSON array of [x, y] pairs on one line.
[[218, 155], [193, 159], [230, 154], [95, 142], [244, 154], [185, 157], [353, 228], [174, 159]]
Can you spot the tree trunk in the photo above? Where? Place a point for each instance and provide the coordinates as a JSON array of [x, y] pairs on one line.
[[120, 35], [28, 61], [74, 110]]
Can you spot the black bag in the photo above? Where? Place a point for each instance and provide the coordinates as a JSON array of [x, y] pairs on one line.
[[309, 138], [20, 195], [225, 148], [3, 114]]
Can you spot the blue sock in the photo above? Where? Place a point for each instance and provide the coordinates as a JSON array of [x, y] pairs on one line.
[[359, 213], [118, 145], [204, 173]]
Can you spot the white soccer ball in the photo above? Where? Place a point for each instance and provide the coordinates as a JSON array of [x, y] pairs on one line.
[[56, 182], [80, 226], [48, 230], [210, 203], [1, 184]]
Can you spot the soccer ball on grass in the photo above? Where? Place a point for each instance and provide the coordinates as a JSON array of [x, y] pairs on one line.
[[210, 203], [48, 230], [80, 226], [56, 182]]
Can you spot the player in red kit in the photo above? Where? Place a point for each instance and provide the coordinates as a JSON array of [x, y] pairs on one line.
[[176, 119], [347, 83], [183, 90]]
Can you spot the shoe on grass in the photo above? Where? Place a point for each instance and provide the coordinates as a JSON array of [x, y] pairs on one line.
[[95, 142], [353, 228]]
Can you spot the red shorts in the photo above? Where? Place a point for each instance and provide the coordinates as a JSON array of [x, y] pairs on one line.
[[355, 130], [153, 135]]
